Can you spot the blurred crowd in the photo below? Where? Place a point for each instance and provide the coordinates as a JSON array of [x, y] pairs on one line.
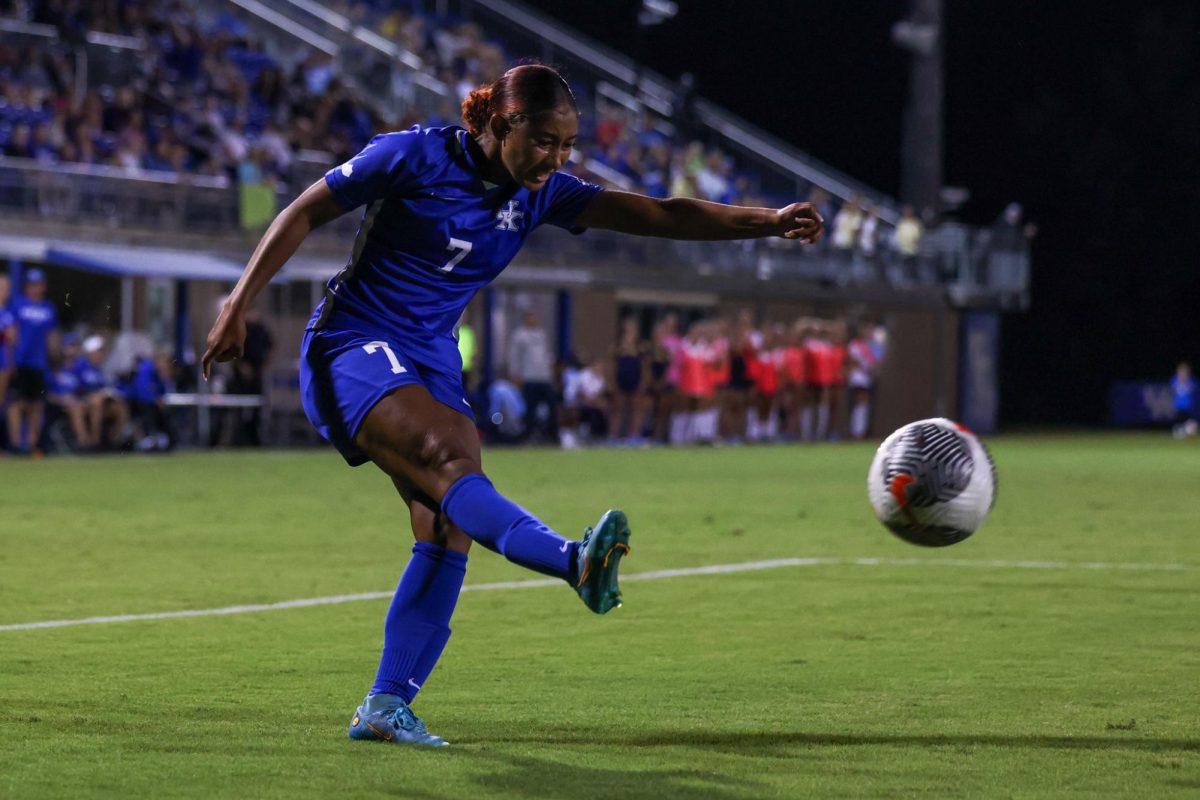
[[60, 390], [713, 381], [206, 98], [86, 391], [203, 99]]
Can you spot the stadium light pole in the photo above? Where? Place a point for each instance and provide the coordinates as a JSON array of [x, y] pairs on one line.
[[921, 34]]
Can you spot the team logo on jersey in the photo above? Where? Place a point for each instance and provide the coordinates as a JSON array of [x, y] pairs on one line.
[[510, 218]]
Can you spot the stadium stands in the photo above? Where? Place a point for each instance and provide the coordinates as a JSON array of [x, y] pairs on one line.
[[150, 141]]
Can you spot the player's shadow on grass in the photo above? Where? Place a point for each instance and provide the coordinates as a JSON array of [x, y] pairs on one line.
[[537, 778], [766, 743]]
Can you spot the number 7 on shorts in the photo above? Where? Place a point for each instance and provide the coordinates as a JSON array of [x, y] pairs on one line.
[[374, 347]]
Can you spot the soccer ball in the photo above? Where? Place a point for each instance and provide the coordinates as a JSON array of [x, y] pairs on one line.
[[932, 482]]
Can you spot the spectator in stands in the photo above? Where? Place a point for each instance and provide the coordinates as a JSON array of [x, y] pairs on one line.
[[683, 180], [656, 172], [846, 226], [868, 234], [531, 368], [40, 146], [906, 244], [19, 143]]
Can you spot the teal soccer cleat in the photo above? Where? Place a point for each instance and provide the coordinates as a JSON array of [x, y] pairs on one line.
[[600, 553], [387, 718]]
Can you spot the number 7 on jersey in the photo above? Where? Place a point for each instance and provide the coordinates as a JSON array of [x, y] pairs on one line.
[[462, 246]]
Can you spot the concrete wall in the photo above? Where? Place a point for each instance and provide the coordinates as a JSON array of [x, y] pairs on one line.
[[919, 376]]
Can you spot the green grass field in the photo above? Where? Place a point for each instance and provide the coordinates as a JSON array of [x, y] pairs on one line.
[[831, 680]]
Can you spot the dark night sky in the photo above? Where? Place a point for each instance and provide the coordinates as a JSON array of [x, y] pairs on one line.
[[1089, 118]]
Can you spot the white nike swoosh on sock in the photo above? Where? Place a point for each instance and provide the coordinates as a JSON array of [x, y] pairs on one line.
[[414, 685], [563, 549]]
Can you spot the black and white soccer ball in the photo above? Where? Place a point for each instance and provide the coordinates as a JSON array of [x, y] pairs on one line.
[[932, 482]]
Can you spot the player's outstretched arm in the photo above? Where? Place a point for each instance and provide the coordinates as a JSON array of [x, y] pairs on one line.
[[685, 218], [309, 211]]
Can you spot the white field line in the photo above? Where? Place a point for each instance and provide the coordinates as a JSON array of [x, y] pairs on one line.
[[715, 569]]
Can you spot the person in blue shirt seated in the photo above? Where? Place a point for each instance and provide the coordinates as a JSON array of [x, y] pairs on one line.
[[37, 337], [65, 398], [444, 212], [506, 411], [105, 412], [147, 393]]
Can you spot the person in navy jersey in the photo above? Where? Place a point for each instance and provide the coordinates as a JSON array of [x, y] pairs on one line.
[[8, 337], [445, 210], [36, 322]]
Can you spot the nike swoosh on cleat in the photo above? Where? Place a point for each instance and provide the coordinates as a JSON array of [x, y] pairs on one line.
[[386, 736]]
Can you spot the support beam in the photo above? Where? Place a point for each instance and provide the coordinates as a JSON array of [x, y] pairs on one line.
[[563, 314], [488, 368], [126, 304]]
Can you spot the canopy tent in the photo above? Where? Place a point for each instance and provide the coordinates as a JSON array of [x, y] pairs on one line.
[[143, 262]]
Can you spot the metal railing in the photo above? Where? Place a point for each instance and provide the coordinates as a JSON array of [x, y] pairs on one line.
[[968, 262]]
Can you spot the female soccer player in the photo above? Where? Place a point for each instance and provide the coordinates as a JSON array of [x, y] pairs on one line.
[[446, 210]]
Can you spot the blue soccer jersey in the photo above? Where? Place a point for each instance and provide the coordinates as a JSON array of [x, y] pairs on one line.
[[34, 323], [64, 383], [433, 233], [91, 378]]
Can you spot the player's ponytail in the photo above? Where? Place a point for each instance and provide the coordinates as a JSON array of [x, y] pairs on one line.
[[523, 91], [476, 109]]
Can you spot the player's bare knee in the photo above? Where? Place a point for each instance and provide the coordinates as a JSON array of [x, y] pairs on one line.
[[444, 460]]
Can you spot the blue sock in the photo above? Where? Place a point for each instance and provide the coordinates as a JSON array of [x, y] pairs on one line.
[[417, 626], [499, 524]]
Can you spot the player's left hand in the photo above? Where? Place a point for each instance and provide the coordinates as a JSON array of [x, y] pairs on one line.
[[799, 221]]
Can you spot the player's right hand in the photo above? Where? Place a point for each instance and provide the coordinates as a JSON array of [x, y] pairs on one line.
[[226, 339]]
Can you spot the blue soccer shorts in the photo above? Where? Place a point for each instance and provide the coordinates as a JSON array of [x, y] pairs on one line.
[[343, 374]]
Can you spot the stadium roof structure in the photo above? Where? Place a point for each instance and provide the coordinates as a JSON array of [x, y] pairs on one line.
[[144, 262], [125, 261], [140, 261]]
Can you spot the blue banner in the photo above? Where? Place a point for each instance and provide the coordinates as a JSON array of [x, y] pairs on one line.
[[1141, 403], [978, 387]]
